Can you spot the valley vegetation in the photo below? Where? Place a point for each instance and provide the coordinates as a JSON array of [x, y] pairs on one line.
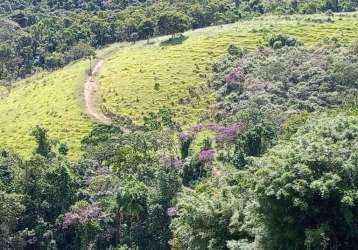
[[271, 163]]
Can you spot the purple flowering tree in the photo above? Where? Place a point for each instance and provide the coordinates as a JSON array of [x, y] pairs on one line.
[[227, 135], [80, 220], [207, 156], [234, 80], [81, 215]]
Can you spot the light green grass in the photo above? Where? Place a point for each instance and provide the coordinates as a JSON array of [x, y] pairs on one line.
[[129, 76], [47, 99], [54, 99]]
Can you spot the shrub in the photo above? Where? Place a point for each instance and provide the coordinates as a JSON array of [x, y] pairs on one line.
[[235, 50], [278, 41], [331, 42]]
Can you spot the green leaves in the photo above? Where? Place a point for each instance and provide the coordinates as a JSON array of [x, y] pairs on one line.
[[173, 22], [309, 179]]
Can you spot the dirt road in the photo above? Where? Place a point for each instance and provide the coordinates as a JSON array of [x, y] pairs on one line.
[[91, 99]]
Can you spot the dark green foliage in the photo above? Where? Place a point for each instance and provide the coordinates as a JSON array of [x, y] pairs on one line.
[[157, 121], [146, 29], [50, 34], [63, 149], [43, 144], [157, 86], [235, 50], [185, 142], [59, 189], [172, 22], [80, 50], [212, 216], [309, 201], [8, 163], [194, 171], [132, 203], [54, 60], [101, 133], [253, 142], [11, 208], [280, 40]]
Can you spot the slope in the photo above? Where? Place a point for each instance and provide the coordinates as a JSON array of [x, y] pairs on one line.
[[50, 100], [145, 77], [140, 78]]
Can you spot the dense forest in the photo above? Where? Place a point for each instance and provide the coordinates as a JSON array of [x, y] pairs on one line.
[[272, 164], [47, 34]]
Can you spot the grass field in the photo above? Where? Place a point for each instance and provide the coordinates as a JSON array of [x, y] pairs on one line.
[[50, 100], [142, 78]]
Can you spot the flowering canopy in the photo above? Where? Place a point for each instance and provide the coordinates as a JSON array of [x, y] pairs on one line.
[[207, 155]]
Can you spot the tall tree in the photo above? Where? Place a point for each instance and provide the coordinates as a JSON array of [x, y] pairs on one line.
[[173, 22]]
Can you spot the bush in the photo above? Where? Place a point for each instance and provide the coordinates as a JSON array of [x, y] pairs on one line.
[[54, 61], [235, 50], [280, 40], [331, 42]]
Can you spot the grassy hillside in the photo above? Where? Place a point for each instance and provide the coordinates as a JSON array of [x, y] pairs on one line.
[[50, 100], [143, 78]]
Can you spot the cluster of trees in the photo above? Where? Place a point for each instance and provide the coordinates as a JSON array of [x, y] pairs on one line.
[[117, 195], [301, 194], [48, 35]]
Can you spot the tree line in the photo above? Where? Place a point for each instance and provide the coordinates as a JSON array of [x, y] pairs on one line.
[[46, 34]]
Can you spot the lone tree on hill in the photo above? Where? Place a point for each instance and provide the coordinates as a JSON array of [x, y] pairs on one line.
[[171, 23]]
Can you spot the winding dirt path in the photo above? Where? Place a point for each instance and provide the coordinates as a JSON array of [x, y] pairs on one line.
[[90, 96]]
